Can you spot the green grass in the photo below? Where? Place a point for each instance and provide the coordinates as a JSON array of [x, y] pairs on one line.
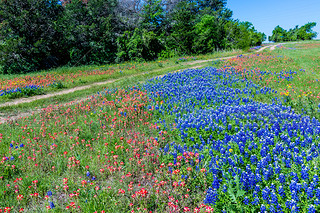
[[69, 141], [308, 59], [146, 66], [123, 81], [95, 136], [302, 89], [116, 71]]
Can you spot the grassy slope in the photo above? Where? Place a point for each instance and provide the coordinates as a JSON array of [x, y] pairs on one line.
[[127, 69], [127, 78], [60, 149], [304, 57], [300, 71], [303, 91]]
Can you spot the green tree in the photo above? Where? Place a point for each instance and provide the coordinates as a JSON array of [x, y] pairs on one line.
[[255, 38], [242, 35], [183, 22], [152, 16], [29, 35], [140, 45], [305, 32], [38, 34], [278, 34], [209, 33], [89, 31], [233, 32], [292, 34], [212, 5], [144, 42]]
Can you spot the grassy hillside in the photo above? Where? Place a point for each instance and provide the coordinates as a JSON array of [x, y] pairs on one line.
[[44, 82], [241, 135]]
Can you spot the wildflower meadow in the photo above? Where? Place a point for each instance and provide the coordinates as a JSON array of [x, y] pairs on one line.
[[225, 138]]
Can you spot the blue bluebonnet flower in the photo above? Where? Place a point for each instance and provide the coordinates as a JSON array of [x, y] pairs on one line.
[[292, 205], [277, 169], [281, 191], [293, 185], [304, 173], [255, 201], [266, 193], [215, 182], [263, 208], [310, 192], [224, 188], [288, 163], [255, 194], [315, 178], [246, 201], [211, 196], [274, 198], [272, 138], [51, 205], [311, 209], [294, 195], [318, 193], [272, 209], [20, 90], [257, 188]]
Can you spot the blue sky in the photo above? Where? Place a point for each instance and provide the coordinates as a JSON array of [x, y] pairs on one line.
[[266, 15]]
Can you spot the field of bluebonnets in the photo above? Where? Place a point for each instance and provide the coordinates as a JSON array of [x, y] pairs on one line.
[[217, 139]]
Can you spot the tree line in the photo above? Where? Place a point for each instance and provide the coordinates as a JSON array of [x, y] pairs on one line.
[[304, 32], [42, 34]]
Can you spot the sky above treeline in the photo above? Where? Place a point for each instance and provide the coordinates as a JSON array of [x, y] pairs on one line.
[[266, 15]]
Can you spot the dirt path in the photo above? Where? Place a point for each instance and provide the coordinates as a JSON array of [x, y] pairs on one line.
[[263, 48], [203, 61], [272, 47], [4, 118], [67, 91]]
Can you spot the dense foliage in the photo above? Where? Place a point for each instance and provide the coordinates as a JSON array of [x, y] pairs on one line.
[[30, 36], [298, 33], [41, 34]]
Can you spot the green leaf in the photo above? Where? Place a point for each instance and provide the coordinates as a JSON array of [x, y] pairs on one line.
[[240, 193], [231, 194]]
